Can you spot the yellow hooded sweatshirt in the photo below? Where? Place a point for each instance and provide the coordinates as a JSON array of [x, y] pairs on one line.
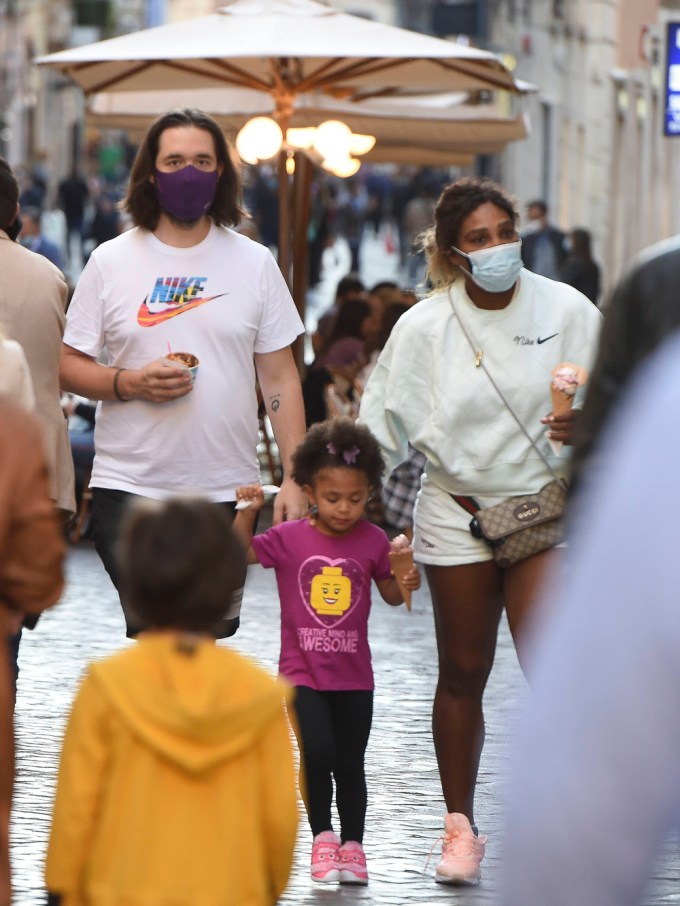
[[177, 784]]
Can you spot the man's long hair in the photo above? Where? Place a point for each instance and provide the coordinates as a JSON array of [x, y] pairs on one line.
[[141, 201]]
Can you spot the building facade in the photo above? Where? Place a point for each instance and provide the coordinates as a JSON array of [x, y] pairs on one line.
[[597, 153]]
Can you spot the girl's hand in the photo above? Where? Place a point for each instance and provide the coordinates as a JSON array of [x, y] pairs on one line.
[[411, 579], [252, 493], [561, 427]]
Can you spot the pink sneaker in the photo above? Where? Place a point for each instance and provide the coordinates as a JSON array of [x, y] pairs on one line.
[[326, 858], [462, 852], [353, 863]]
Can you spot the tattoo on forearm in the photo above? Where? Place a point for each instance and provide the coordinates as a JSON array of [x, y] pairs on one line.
[[274, 403]]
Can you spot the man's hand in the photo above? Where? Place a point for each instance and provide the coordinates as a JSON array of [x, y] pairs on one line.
[[155, 383], [290, 503]]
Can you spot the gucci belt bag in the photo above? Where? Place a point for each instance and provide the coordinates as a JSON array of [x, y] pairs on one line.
[[519, 527]]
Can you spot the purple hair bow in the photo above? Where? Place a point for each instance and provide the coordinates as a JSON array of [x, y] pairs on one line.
[[350, 456]]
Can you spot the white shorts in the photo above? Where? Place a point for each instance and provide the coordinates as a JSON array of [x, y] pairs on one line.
[[442, 528]]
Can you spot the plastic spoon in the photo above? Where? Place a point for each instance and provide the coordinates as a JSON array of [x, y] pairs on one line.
[[266, 489]]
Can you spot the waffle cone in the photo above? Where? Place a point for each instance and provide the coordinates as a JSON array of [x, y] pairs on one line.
[[402, 562], [561, 401]]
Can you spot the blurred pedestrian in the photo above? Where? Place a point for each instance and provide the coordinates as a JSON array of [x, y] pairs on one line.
[[33, 188], [81, 416], [642, 313], [543, 245], [352, 208], [31, 578], [106, 221], [593, 784], [73, 195], [579, 268], [346, 351], [32, 312], [181, 280], [324, 569], [351, 286], [176, 782], [418, 217], [320, 233], [31, 237], [378, 190], [476, 426]]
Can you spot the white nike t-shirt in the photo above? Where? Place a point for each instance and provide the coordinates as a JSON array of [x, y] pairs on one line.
[[222, 300]]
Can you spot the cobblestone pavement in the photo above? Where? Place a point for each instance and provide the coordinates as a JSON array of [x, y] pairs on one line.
[[405, 806]]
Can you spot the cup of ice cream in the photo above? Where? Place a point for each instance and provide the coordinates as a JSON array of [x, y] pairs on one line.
[[182, 360]]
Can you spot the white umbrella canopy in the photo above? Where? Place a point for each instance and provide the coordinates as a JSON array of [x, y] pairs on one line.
[[449, 133], [284, 48]]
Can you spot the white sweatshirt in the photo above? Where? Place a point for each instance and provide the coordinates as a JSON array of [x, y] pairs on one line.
[[427, 390]]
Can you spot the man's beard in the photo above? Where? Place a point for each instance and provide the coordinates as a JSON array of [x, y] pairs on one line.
[[183, 224]]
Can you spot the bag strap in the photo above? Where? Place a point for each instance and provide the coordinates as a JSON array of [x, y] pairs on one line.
[[468, 503], [479, 362]]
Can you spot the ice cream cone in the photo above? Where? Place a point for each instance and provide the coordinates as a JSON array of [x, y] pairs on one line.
[[566, 379], [402, 562], [561, 401]]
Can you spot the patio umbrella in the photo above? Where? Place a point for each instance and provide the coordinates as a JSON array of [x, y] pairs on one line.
[[282, 49]]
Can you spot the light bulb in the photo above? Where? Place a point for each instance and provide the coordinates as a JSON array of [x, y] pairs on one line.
[[260, 139], [361, 144], [301, 137], [342, 166], [333, 139]]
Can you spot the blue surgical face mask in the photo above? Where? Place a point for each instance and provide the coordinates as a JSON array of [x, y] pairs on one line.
[[495, 269]]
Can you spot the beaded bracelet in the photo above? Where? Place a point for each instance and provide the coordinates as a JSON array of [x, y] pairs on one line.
[[116, 391]]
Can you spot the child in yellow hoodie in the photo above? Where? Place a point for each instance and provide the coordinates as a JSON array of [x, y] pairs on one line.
[[176, 783]]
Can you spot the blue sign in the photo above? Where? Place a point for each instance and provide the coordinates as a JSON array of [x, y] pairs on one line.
[[672, 117]]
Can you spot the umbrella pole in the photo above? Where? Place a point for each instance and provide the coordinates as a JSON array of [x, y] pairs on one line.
[[302, 183], [284, 217]]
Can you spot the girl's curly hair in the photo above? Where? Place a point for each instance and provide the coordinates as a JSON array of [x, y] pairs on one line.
[[338, 442]]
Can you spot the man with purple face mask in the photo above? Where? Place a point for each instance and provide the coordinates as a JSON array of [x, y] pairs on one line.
[[182, 280]]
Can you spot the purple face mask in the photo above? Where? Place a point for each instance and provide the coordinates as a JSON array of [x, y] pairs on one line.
[[186, 194]]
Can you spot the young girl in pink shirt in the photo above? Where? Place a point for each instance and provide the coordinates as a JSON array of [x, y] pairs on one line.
[[324, 566]]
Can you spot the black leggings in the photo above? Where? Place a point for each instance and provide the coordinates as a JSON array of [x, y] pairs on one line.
[[333, 730]]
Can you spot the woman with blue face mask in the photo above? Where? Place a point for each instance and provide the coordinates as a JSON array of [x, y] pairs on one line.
[[429, 389]]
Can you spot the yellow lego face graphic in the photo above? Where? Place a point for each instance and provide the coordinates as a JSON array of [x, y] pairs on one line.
[[331, 592]]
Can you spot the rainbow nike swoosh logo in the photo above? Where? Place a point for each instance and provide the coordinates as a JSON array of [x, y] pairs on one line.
[[146, 318]]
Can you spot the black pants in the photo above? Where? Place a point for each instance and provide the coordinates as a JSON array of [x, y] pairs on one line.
[[108, 509], [333, 730]]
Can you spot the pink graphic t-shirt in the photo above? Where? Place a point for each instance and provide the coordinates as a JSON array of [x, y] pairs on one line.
[[325, 590]]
